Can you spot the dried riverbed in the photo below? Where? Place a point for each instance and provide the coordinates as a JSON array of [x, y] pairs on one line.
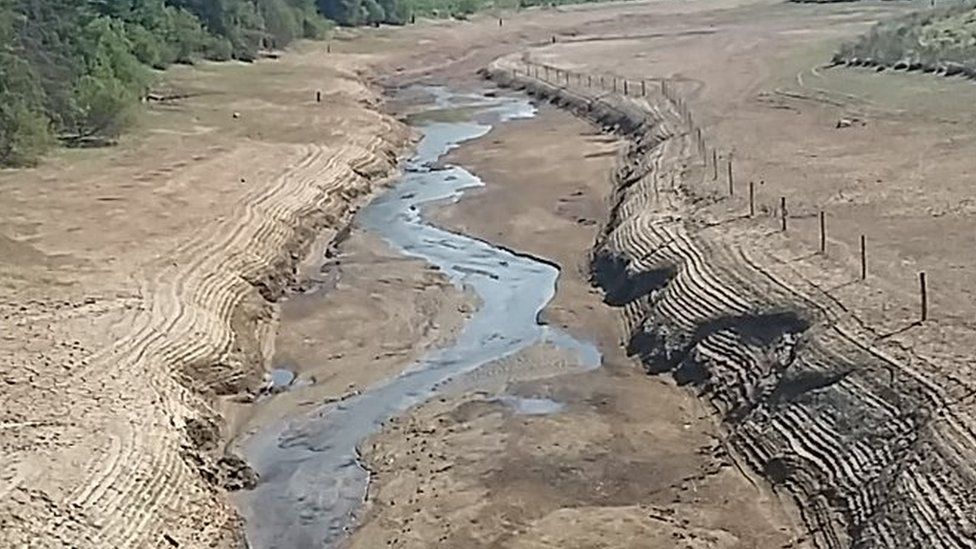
[[311, 483]]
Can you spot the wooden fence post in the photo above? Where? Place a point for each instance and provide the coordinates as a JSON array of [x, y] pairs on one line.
[[864, 258], [823, 233], [643, 88], [714, 164], [625, 86], [925, 296], [731, 182], [782, 211]]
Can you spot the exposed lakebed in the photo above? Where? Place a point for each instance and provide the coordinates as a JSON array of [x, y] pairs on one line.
[[311, 482]]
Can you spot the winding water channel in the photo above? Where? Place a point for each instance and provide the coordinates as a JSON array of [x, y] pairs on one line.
[[311, 483]]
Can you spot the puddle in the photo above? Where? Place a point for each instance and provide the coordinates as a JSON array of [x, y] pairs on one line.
[[281, 379], [532, 406], [311, 483]]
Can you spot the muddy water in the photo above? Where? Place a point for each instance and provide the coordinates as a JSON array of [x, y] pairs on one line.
[[311, 483]]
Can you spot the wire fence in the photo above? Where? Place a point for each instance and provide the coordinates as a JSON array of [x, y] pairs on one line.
[[712, 160]]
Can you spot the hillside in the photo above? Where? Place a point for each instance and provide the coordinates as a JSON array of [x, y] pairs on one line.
[[941, 40], [74, 71]]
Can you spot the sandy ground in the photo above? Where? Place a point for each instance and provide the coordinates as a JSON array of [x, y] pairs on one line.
[[630, 461], [882, 155], [137, 283], [134, 287]]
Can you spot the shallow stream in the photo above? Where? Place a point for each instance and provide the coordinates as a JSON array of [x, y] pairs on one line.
[[311, 482]]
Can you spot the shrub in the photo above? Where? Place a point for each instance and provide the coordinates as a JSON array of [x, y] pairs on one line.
[[24, 133]]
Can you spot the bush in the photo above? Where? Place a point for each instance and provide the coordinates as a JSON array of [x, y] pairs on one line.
[[939, 40], [106, 106], [24, 133], [219, 49], [283, 23]]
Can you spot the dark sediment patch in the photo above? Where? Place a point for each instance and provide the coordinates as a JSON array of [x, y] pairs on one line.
[[620, 284]]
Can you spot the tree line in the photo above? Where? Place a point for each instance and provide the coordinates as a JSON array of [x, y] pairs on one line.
[[74, 71], [941, 40]]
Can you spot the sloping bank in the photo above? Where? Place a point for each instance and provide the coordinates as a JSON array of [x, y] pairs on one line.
[[140, 463], [873, 453]]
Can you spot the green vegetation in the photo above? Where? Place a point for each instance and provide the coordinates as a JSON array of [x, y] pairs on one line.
[[461, 8], [941, 40], [74, 71]]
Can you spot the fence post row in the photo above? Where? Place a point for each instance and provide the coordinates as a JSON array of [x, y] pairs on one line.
[[683, 110]]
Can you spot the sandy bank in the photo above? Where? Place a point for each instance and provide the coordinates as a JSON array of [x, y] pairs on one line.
[[868, 443], [137, 292], [529, 451]]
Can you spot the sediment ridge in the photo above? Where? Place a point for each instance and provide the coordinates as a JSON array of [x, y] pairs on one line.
[[148, 469], [875, 445]]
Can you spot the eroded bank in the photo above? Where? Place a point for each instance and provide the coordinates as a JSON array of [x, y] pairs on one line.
[[870, 449]]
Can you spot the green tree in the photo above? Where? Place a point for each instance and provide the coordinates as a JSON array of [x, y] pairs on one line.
[[282, 22], [24, 132], [106, 106], [344, 12]]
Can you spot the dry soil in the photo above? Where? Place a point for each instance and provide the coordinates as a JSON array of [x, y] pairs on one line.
[[139, 284]]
